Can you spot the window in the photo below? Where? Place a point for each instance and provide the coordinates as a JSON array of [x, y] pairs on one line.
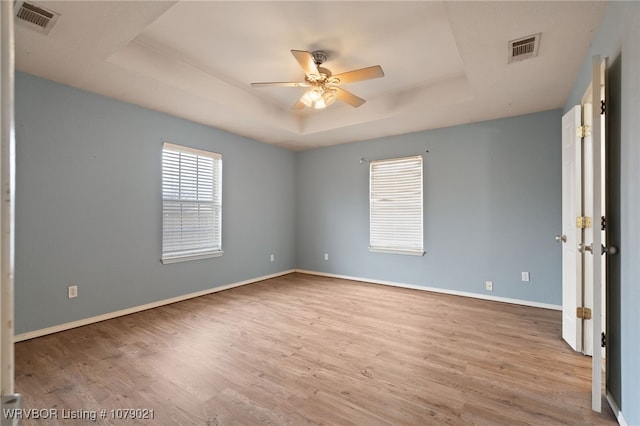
[[191, 203], [395, 206]]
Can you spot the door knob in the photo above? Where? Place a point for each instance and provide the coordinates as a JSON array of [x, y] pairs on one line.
[[561, 238], [583, 248], [609, 250]]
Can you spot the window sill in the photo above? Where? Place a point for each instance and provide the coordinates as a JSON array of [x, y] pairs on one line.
[[406, 252], [189, 257]]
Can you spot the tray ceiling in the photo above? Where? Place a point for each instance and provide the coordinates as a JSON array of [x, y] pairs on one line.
[[445, 63]]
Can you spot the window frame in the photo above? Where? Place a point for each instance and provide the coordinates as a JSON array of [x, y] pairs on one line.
[[377, 215], [171, 252]]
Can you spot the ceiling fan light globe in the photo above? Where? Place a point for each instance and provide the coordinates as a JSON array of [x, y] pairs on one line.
[[315, 93], [306, 99], [329, 96], [320, 104]]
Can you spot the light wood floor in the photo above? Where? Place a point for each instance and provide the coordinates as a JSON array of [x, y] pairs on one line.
[[306, 350]]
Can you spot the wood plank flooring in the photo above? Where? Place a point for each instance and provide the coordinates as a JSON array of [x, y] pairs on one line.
[[307, 350]]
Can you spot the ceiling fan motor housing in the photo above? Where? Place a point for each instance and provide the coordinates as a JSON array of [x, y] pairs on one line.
[[319, 57]]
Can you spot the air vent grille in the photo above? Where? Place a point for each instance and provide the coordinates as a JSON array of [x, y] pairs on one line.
[[35, 17], [524, 48]]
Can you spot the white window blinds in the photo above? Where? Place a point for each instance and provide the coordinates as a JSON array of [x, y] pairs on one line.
[[191, 203], [395, 206]]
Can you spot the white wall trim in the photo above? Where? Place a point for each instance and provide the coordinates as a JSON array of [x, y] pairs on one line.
[[134, 309], [616, 411], [437, 290]]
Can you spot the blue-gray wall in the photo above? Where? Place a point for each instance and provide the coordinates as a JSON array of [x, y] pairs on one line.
[[88, 206], [492, 205], [618, 39]]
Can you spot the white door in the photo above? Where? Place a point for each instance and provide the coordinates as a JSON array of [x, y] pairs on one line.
[[571, 236], [577, 200]]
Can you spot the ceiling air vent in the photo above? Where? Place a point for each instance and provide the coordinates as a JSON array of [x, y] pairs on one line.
[[35, 17], [523, 48]]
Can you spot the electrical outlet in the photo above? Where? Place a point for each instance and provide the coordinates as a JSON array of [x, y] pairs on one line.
[[272, 257], [72, 291], [488, 285], [326, 256], [525, 276]]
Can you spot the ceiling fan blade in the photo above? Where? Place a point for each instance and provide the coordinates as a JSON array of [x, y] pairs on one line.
[[305, 59], [281, 84], [361, 74], [349, 98]]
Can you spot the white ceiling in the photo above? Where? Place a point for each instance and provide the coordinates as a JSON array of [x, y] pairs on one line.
[[445, 63]]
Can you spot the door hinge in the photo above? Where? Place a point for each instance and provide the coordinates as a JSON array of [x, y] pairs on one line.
[[583, 131], [603, 223], [583, 222], [603, 339], [583, 313], [603, 107]]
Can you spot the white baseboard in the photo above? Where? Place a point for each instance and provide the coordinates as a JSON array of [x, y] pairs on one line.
[[438, 290], [616, 410], [110, 315]]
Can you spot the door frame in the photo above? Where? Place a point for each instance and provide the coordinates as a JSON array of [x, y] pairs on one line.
[[598, 248], [7, 210]]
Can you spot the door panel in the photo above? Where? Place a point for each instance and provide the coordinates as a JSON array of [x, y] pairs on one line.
[[571, 237]]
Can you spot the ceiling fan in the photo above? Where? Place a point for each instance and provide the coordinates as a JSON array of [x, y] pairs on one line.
[[323, 85]]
